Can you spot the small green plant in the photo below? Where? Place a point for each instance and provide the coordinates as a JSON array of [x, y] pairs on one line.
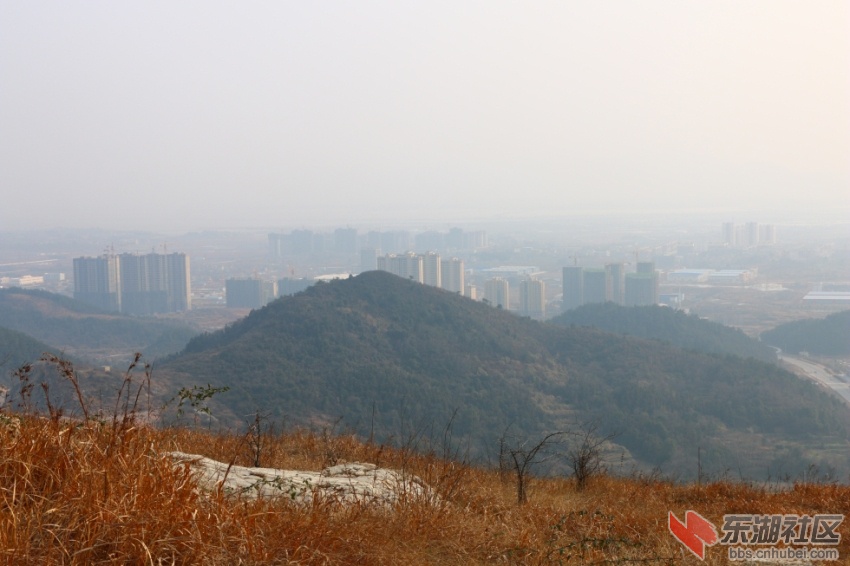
[[196, 397]]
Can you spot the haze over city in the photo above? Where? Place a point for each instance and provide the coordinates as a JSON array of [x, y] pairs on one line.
[[164, 116], [424, 282]]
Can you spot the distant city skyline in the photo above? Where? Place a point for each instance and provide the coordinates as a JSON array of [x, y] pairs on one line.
[[190, 116]]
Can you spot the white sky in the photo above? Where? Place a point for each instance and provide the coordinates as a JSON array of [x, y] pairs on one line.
[[186, 115]]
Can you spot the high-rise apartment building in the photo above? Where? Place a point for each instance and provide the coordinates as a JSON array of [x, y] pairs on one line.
[[430, 240], [179, 284], [153, 278], [428, 268], [345, 241], [391, 242], [276, 246], [134, 284], [497, 292], [475, 240], [641, 289], [154, 283], [573, 287], [752, 234], [432, 269], [748, 235], [729, 233], [368, 259], [409, 266], [532, 298], [767, 234], [616, 275], [645, 267], [97, 281], [289, 285], [249, 293], [452, 275], [596, 286], [642, 286]]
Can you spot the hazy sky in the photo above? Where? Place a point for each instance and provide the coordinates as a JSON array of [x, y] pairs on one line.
[[185, 115]]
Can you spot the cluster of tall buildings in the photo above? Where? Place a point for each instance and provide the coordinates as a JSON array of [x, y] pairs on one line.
[[134, 284], [583, 286], [347, 241], [307, 242], [254, 293], [748, 235], [428, 268]]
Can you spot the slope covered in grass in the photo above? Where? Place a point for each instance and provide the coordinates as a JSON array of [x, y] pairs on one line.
[[106, 493]]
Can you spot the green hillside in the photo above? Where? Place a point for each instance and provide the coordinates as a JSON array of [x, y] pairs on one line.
[[84, 331], [668, 325], [394, 356], [828, 336]]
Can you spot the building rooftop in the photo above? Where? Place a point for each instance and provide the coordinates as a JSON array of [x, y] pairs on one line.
[[827, 296]]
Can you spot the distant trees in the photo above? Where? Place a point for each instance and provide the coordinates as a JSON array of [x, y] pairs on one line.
[[365, 347], [673, 326], [828, 336]]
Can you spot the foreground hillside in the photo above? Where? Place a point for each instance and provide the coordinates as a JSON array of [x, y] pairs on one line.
[[668, 325], [75, 492], [83, 331], [396, 359]]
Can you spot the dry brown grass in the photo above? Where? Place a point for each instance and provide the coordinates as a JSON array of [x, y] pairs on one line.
[[96, 490], [74, 492]]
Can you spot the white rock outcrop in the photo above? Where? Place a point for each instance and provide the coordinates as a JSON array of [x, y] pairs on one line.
[[344, 483]]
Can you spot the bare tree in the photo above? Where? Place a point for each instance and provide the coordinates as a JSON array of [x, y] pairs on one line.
[[585, 455], [256, 436], [520, 455]]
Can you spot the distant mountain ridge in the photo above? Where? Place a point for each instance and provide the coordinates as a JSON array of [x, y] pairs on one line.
[[668, 325], [390, 355], [85, 331]]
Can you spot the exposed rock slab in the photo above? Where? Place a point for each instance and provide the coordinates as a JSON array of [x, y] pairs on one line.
[[344, 483]]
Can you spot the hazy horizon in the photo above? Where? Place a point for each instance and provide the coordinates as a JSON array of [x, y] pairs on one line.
[[191, 115]]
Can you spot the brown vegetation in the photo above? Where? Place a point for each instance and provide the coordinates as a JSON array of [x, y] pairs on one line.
[[95, 489], [89, 492]]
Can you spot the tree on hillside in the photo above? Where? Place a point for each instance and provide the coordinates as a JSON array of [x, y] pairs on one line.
[[586, 454], [519, 455]]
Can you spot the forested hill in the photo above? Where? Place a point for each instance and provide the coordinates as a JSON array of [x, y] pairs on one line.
[[828, 336], [17, 349], [395, 357], [673, 326], [84, 331]]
